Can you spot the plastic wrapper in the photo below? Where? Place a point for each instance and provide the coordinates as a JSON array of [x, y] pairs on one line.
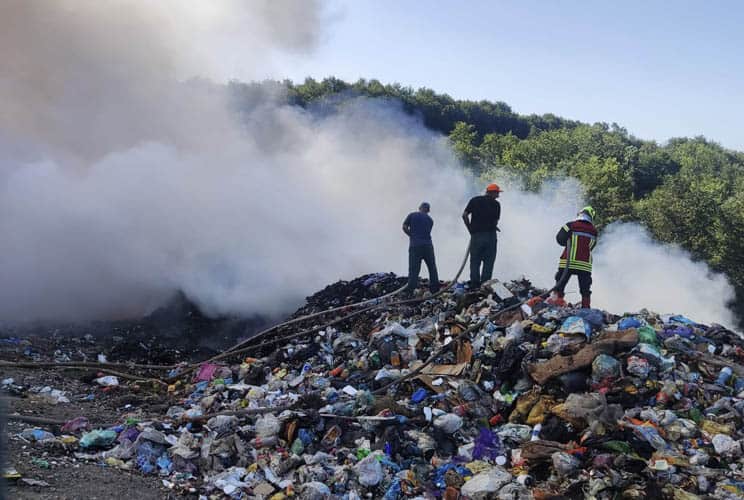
[[369, 471], [267, 425], [604, 367], [486, 484]]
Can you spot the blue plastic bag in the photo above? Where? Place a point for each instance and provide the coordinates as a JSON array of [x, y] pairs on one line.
[[594, 317], [488, 445], [629, 322], [576, 325]]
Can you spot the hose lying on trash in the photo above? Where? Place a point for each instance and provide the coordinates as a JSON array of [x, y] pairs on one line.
[[376, 302], [477, 326], [243, 347]]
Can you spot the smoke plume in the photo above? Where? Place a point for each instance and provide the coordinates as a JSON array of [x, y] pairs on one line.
[[631, 270], [122, 179]]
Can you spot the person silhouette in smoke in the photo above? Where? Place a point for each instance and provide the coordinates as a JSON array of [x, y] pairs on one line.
[[417, 226]]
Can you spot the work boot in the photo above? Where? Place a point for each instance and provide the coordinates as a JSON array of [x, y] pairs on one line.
[[586, 302]]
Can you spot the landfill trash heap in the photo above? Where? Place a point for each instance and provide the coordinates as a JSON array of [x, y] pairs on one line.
[[492, 393]]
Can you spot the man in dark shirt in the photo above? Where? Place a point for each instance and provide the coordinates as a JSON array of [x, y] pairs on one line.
[[418, 227], [481, 217]]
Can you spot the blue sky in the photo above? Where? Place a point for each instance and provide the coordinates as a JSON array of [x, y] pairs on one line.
[[660, 69]]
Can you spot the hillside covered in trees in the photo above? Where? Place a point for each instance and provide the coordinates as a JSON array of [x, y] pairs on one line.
[[689, 191]]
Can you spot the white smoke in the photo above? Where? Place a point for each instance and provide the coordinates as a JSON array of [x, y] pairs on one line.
[[631, 270], [120, 185]]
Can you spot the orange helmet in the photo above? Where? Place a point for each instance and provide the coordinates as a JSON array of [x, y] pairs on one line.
[[494, 187]]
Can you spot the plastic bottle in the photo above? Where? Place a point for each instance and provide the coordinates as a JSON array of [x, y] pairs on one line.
[[652, 437], [703, 485], [535, 434], [395, 359]]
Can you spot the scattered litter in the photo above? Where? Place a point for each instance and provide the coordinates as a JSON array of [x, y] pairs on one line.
[[107, 381], [33, 482], [462, 395]]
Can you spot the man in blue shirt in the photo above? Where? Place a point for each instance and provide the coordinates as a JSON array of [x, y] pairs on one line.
[[418, 227]]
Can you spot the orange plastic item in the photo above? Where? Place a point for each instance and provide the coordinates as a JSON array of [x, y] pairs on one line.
[[495, 420], [534, 300]]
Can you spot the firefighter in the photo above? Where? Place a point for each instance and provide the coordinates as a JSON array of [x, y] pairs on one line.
[[578, 238]]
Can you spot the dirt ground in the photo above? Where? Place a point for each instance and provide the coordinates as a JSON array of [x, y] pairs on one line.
[[69, 477]]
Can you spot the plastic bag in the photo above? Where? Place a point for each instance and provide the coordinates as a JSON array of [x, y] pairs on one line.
[[629, 322], [267, 425], [486, 484], [107, 381], [557, 342], [449, 422], [726, 446], [488, 445], [37, 435], [638, 366], [223, 424], [604, 367], [76, 424], [647, 335], [369, 471], [594, 317], [98, 439], [576, 325], [565, 464], [148, 454]]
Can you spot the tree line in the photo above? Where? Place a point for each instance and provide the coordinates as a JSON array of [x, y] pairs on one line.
[[688, 191]]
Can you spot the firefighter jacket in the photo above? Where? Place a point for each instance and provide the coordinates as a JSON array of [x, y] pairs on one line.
[[582, 236]]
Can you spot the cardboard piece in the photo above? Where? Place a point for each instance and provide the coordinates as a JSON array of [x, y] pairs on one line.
[[558, 365]]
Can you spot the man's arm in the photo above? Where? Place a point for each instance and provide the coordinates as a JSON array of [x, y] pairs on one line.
[[407, 225], [466, 215], [466, 219], [562, 237], [498, 215]]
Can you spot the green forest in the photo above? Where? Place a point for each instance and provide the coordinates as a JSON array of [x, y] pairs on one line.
[[688, 191]]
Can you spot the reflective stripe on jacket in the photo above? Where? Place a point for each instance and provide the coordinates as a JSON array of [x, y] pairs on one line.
[[583, 236]]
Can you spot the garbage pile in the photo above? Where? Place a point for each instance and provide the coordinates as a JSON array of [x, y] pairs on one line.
[[342, 293], [493, 393]]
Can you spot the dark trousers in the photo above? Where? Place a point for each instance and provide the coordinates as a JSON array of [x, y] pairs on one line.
[[585, 281], [415, 256], [482, 251]]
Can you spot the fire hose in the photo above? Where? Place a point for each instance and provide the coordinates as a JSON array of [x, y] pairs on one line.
[[478, 326], [565, 275], [242, 347], [375, 303]]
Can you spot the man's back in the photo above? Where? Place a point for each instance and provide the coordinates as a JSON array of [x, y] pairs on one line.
[[485, 212], [421, 225]]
